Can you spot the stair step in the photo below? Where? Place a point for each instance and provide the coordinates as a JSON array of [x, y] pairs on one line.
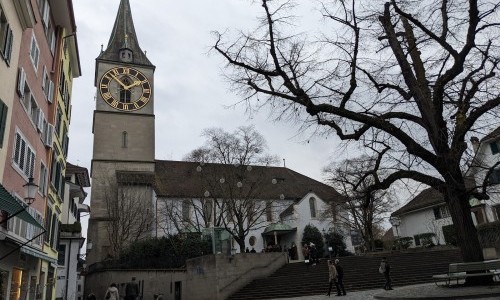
[[298, 279]]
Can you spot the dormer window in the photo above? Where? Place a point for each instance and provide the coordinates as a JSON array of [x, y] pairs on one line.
[[494, 148], [126, 55]]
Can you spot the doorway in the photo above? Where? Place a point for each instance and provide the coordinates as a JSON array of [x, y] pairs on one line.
[[178, 290]]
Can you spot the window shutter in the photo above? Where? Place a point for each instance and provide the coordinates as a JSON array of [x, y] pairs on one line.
[[51, 92], [21, 81], [8, 45], [3, 121]]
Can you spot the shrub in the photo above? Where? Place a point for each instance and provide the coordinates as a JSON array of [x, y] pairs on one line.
[[337, 242], [165, 252], [312, 234], [402, 243], [426, 239], [73, 228], [489, 234], [450, 235]]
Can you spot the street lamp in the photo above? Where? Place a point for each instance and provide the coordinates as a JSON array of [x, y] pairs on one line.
[[30, 189], [395, 221]]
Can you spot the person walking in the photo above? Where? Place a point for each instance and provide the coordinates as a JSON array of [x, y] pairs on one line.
[[340, 278], [385, 269], [332, 277], [132, 290], [112, 293]]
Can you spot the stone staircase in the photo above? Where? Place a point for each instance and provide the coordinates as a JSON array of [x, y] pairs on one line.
[[360, 273]]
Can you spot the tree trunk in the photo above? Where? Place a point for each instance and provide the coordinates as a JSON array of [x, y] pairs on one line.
[[467, 237], [241, 243]]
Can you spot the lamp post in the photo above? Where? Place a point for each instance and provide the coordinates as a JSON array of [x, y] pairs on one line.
[[395, 221]]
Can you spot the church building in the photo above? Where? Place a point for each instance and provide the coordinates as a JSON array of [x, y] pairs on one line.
[[135, 196]]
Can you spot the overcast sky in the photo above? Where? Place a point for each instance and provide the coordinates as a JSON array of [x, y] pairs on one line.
[[190, 92]]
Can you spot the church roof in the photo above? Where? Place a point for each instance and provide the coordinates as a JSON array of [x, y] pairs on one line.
[[181, 179], [124, 36]]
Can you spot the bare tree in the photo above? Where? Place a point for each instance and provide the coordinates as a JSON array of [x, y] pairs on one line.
[[412, 79], [130, 215], [235, 193], [366, 208], [244, 146]]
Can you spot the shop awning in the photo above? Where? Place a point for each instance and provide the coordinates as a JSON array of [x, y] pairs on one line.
[[13, 206], [39, 254]]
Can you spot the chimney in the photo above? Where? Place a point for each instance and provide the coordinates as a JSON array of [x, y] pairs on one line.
[[475, 143]]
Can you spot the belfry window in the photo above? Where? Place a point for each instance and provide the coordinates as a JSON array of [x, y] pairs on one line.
[[125, 93]]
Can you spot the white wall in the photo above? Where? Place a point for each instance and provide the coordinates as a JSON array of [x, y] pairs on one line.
[[422, 221]]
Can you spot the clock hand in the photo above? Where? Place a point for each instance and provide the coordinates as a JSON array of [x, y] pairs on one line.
[[119, 81], [136, 83]]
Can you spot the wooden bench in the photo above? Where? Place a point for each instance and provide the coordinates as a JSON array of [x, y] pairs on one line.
[[459, 271]]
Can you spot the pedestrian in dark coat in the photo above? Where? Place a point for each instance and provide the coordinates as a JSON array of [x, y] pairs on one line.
[[385, 269], [131, 290], [340, 278]]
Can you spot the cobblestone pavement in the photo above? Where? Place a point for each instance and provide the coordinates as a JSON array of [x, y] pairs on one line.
[[421, 291]]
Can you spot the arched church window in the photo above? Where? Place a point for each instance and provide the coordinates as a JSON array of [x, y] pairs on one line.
[[124, 139], [312, 207], [186, 206], [125, 94]]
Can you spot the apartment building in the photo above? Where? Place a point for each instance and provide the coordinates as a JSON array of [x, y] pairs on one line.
[[40, 61]]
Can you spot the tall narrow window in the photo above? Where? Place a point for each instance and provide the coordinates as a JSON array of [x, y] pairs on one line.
[[124, 139], [312, 207], [125, 93], [269, 211], [185, 210]]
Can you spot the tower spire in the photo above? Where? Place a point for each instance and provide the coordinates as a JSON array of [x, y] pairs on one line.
[[123, 37]]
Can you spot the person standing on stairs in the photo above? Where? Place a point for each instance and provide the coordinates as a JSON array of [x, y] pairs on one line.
[[332, 277], [340, 278]]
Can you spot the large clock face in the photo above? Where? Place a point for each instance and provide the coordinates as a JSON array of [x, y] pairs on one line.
[[125, 88]]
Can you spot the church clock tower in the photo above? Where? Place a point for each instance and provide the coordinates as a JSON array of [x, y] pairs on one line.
[[124, 133]]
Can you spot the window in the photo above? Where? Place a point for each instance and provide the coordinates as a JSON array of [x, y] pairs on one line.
[[42, 182], [207, 210], [416, 238], [185, 210], [26, 230], [47, 86], [494, 177], [34, 52], [125, 94], [441, 212], [312, 207], [124, 139], [48, 222], [58, 121], [6, 38], [494, 148], [269, 211], [496, 210], [61, 256], [3, 121], [24, 155]]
